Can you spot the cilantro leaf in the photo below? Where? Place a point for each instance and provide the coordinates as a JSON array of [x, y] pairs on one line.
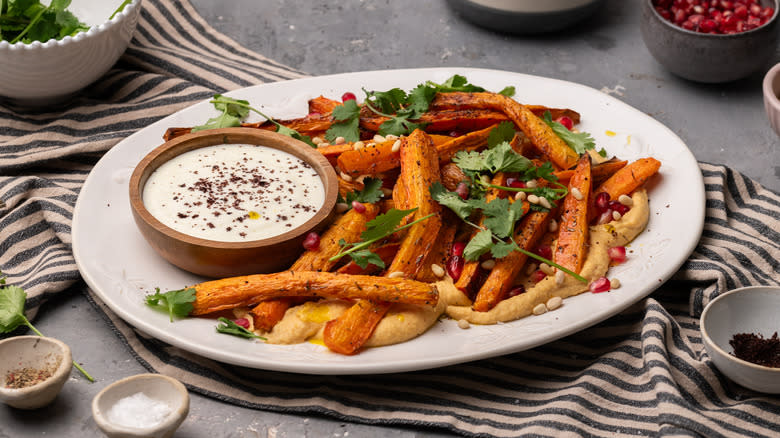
[[347, 121], [500, 250], [363, 257], [11, 308], [235, 107], [177, 303], [223, 120], [579, 141], [389, 101], [419, 100], [229, 327], [462, 207], [385, 224], [500, 158], [371, 193], [501, 216], [507, 91], [456, 83], [505, 131], [478, 245]]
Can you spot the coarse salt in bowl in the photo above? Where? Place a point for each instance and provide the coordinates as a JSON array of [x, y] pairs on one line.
[[39, 73]]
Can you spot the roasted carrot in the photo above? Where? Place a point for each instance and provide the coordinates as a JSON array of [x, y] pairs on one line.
[[322, 105], [572, 240], [627, 179], [500, 280], [599, 172], [332, 152], [441, 247], [266, 314], [468, 142], [446, 120], [386, 252], [349, 332], [532, 126], [348, 227], [370, 160], [538, 110], [248, 290]]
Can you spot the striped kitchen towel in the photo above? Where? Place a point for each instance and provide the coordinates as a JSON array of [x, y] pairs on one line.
[[642, 372]]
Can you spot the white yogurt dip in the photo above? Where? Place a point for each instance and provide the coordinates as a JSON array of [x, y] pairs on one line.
[[234, 192]]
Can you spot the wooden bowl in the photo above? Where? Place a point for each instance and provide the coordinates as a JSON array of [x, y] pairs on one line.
[[216, 259]]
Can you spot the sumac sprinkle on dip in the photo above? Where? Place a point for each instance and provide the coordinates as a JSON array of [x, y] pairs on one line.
[[755, 348]]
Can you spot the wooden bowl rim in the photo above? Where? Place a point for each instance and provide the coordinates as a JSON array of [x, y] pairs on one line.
[[252, 136]]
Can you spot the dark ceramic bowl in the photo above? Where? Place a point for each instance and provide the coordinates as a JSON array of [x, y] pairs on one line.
[[704, 57], [212, 258], [525, 16]]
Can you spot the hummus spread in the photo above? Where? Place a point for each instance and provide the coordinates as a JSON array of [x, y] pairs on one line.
[[404, 322]]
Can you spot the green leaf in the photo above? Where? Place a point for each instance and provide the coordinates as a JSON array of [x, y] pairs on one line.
[[579, 141], [347, 120], [11, 308], [363, 257], [462, 207], [178, 303], [229, 327], [388, 101], [504, 132], [501, 216], [478, 245], [502, 158], [238, 108], [384, 224], [500, 250], [223, 120], [419, 100], [508, 91], [371, 193], [456, 83]]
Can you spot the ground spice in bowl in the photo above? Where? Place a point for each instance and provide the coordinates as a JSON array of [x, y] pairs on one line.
[[24, 377], [755, 348]]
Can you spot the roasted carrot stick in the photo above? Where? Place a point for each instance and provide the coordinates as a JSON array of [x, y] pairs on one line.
[[532, 227], [322, 105], [267, 313], [348, 333], [600, 172], [571, 247], [386, 252], [627, 179], [532, 126], [248, 290]]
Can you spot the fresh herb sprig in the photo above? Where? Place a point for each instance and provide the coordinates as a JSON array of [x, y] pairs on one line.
[[12, 301], [579, 141], [30, 20], [236, 110], [177, 303], [229, 327], [377, 229]]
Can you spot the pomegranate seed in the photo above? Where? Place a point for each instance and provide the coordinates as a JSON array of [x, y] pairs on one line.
[[767, 13], [602, 202], [543, 251], [618, 207], [538, 276], [726, 5], [688, 25], [455, 266], [617, 254], [358, 207], [605, 218], [457, 249], [755, 10], [708, 25], [741, 11], [696, 19], [462, 190], [515, 291], [753, 22], [566, 121], [311, 242], [348, 96], [600, 285], [243, 322], [515, 183]]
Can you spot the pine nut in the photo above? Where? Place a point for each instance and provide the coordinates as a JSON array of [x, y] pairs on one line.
[[396, 146], [341, 207], [396, 274], [533, 199], [324, 144], [391, 137], [345, 177], [576, 193], [387, 192], [485, 179], [554, 303], [358, 145], [339, 140], [553, 225], [560, 277], [540, 309], [488, 264], [626, 200], [437, 270], [531, 184], [317, 140], [520, 196], [531, 268], [614, 283], [462, 323], [616, 215], [379, 139], [547, 269], [545, 203]]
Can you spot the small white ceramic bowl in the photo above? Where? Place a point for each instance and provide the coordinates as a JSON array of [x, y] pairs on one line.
[[746, 310], [36, 353], [154, 386], [43, 72], [771, 88]]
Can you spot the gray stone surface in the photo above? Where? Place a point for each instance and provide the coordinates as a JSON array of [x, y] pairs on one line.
[[720, 123]]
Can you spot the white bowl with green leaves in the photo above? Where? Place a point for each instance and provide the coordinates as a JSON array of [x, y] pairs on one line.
[[83, 39]]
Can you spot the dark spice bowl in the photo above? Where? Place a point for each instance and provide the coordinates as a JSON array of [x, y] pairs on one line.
[[748, 310], [704, 57], [216, 259]]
